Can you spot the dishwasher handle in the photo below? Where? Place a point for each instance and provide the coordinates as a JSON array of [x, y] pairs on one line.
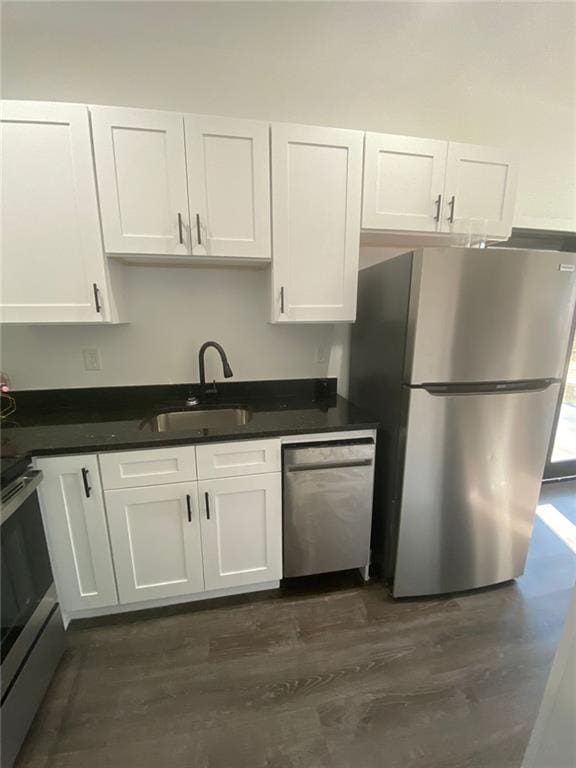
[[328, 465]]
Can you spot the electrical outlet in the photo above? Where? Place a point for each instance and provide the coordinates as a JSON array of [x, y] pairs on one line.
[[321, 353], [92, 361]]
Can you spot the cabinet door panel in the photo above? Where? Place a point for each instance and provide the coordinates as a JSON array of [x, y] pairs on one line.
[[155, 535], [141, 172], [481, 182], [77, 533], [51, 246], [316, 192], [241, 520], [229, 186], [403, 182]]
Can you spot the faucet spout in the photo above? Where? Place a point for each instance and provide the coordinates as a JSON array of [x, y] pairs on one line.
[[227, 371]]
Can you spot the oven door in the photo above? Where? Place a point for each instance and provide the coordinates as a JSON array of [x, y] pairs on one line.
[[28, 594]]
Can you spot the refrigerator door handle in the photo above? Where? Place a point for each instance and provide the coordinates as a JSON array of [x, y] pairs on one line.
[[488, 388]]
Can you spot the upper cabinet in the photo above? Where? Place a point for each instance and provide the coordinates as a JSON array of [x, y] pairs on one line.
[[479, 191], [316, 201], [141, 170], [228, 186], [175, 186], [53, 265], [403, 182], [429, 186]]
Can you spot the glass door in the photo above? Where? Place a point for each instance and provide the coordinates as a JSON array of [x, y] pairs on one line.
[[562, 453]]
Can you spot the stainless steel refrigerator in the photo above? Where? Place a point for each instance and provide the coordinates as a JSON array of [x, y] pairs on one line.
[[460, 353]]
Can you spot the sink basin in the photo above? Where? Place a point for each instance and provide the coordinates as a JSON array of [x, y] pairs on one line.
[[213, 418]]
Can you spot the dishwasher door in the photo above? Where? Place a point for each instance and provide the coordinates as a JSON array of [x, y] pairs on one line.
[[328, 490]]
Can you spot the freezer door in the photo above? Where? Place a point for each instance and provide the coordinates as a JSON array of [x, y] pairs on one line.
[[472, 474], [489, 314]]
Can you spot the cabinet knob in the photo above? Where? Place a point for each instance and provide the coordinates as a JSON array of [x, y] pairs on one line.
[[282, 300], [180, 230], [207, 500], [189, 507], [198, 232]]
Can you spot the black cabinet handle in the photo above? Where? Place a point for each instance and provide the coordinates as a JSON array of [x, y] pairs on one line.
[[282, 300], [87, 486], [189, 507], [97, 297], [198, 233], [452, 204], [207, 500], [180, 233], [438, 203]]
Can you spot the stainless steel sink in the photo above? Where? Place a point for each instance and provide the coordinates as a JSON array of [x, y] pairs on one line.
[[213, 418]]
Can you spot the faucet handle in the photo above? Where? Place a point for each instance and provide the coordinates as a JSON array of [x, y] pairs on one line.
[[211, 390], [192, 400]]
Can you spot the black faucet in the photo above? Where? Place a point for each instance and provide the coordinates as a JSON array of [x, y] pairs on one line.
[[225, 366]]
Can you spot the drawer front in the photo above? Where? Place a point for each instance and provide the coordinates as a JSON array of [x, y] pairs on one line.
[[133, 469], [246, 457]]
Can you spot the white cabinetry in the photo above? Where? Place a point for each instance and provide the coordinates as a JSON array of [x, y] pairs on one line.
[[141, 171], [228, 186], [479, 191], [155, 535], [241, 530], [403, 182], [53, 265], [316, 200], [429, 186], [76, 531], [173, 186], [241, 457]]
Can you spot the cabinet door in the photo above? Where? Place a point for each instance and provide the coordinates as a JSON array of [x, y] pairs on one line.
[[316, 192], [403, 182], [241, 519], [480, 191], [76, 531], [53, 264], [141, 172], [155, 535], [228, 186]]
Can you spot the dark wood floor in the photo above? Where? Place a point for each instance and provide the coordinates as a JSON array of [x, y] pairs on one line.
[[343, 677]]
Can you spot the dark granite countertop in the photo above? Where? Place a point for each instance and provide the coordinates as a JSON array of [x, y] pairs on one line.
[[120, 418]]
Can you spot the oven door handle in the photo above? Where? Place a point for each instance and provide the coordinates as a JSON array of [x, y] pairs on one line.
[[17, 492]]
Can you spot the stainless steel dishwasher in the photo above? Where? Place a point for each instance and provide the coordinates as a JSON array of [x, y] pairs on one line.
[[328, 490]]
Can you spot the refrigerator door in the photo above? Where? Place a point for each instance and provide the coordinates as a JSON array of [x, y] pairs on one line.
[[489, 314], [472, 474]]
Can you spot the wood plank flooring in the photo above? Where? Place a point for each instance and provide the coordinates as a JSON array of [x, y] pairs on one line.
[[332, 674]]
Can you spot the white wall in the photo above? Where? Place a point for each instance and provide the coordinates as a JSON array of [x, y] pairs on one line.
[[172, 312], [489, 73]]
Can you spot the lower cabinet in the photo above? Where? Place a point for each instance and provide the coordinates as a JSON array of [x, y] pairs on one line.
[[241, 519], [156, 542], [76, 531], [155, 535]]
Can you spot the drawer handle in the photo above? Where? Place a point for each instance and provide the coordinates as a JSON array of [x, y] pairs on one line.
[[87, 486], [207, 500], [189, 507], [329, 465]]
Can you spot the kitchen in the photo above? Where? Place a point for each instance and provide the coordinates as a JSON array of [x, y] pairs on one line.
[[136, 260]]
